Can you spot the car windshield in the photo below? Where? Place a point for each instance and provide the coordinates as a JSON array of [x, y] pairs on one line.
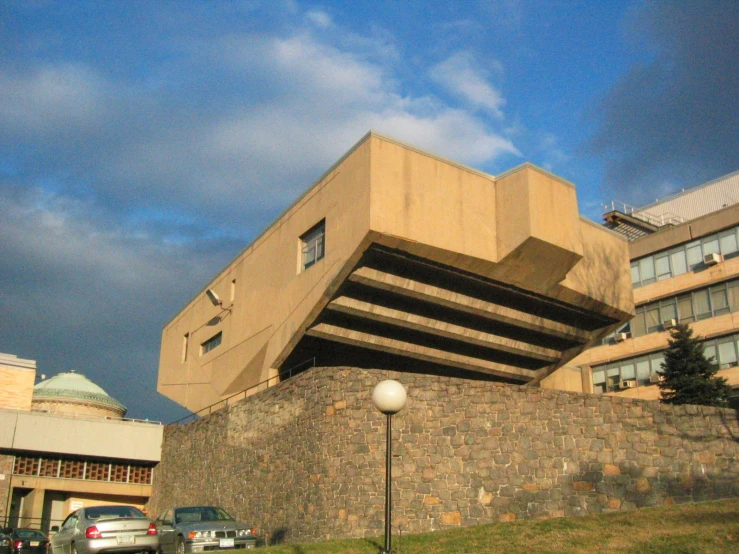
[[29, 534], [110, 512], [200, 513]]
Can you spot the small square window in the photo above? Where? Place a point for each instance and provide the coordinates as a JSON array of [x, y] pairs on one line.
[[313, 245], [211, 343]]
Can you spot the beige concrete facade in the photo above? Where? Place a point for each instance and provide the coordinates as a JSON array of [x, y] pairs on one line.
[[17, 377], [720, 327], [428, 266]]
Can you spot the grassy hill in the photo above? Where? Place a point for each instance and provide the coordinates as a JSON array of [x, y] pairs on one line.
[[686, 529]]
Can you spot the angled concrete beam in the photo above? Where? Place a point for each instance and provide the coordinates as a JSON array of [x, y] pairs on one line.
[[456, 301], [439, 328], [410, 350]]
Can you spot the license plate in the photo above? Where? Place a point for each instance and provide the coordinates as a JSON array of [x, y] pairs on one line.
[[126, 539], [34, 543], [226, 543]]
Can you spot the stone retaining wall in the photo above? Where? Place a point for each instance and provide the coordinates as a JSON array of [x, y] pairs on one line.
[[305, 460]]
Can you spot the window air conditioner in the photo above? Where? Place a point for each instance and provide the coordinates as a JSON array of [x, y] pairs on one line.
[[669, 323], [620, 337], [627, 384], [656, 378], [711, 259]]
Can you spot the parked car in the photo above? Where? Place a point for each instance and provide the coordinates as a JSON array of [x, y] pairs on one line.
[[28, 541], [188, 529], [100, 529], [4, 543]]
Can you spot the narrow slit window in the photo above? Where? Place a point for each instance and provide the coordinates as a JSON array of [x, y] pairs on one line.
[[185, 346]]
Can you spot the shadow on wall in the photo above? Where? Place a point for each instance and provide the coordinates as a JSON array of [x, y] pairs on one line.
[[727, 426]]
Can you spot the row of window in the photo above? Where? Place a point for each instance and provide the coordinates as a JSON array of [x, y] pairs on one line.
[[82, 469], [686, 257], [643, 370], [686, 308]]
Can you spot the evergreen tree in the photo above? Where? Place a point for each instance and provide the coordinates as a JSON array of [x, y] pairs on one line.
[[688, 377]]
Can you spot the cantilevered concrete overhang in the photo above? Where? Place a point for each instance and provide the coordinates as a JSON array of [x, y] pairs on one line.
[[429, 266]]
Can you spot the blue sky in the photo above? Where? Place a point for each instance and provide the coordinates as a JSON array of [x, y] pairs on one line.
[[143, 144]]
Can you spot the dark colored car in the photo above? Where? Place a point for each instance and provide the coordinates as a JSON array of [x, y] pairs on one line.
[[28, 541], [4, 544], [190, 529]]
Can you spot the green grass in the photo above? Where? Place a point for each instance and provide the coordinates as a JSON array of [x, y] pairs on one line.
[[686, 529]]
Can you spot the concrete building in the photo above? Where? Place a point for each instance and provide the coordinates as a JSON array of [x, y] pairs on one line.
[[64, 444], [399, 259], [684, 253]]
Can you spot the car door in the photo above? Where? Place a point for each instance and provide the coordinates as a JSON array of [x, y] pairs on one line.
[[61, 541], [165, 529]]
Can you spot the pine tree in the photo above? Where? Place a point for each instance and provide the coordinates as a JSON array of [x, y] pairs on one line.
[[688, 377]]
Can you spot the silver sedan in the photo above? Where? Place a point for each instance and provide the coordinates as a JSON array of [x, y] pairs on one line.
[[190, 529], [105, 529]]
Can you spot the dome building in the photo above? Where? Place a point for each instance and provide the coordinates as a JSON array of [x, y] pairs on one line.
[[74, 394], [64, 445]]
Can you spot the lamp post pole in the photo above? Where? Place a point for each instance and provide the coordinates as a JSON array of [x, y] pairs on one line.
[[389, 397]]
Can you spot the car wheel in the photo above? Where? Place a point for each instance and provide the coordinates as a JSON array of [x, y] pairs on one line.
[[179, 547]]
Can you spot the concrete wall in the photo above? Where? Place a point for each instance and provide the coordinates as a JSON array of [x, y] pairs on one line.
[[41, 432], [17, 377], [305, 459]]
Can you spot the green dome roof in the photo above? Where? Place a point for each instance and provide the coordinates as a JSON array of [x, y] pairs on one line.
[[74, 386]]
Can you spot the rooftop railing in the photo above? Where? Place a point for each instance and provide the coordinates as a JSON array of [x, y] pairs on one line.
[[660, 220]]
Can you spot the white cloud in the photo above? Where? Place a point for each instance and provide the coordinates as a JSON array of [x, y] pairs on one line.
[[319, 19], [462, 76], [49, 98]]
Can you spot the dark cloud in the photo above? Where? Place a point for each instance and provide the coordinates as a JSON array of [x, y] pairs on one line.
[[673, 121], [82, 293]]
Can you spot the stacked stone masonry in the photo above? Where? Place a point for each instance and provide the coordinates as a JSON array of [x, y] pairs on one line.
[[304, 460]]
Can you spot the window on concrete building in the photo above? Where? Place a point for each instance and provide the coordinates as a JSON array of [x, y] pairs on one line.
[[643, 369], [211, 343], [313, 245], [694, 306], [686, 257]]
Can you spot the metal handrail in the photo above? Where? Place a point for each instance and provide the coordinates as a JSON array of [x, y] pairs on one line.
[[224, 403], [661, 220]]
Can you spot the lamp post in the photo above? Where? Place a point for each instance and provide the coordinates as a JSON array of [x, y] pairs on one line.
[[389, 397]]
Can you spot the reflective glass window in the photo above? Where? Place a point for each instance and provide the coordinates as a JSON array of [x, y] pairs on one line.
[[728, 242], [628, 371], [668, 309], [646, 270], [694, 255], [719, 300], [642, 369], [653, 319], [710, 245], [662, 266], [679, 262], [685, 309], [727, 353]]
